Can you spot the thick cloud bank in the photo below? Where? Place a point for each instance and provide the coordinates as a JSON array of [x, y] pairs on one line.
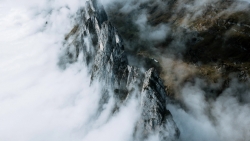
[[38, 100]]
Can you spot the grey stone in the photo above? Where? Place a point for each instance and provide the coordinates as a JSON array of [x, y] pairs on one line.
[[106, 59]]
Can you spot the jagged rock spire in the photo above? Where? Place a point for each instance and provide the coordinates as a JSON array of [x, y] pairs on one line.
[[107, 62]]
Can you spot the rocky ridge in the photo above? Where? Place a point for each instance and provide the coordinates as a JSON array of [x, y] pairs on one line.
[[106, 59]]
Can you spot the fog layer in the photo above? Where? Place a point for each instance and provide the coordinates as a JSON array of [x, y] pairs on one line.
[[38, 100]]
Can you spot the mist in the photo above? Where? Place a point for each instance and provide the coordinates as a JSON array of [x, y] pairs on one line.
[[39, 100], [224, 118]]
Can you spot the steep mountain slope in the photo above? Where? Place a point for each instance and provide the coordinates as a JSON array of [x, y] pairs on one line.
[[207, 39], [199, 49], [107, 62]]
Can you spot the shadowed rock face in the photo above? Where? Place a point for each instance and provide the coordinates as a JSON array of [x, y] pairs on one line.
[[207, 39], [107, 62]]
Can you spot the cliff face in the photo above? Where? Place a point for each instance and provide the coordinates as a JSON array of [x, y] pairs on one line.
[[106, 59]]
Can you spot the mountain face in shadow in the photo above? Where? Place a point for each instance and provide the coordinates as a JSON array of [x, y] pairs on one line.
[[209, 39]]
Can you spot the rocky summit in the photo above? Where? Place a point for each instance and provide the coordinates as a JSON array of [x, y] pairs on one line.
[[107, 62]]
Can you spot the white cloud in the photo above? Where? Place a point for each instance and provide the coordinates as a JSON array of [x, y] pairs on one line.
[[225, 118], [38, 100]]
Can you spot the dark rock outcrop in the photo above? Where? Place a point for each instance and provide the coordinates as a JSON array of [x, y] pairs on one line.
[[106, 59], [209, 38]]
